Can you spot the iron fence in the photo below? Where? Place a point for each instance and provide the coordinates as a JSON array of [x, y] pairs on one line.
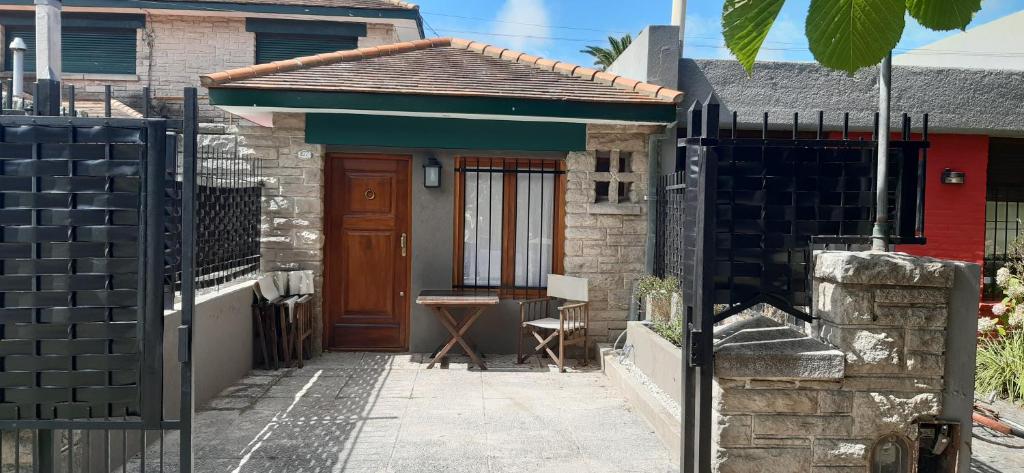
[[738, 222], [83, 202], [229, 192]]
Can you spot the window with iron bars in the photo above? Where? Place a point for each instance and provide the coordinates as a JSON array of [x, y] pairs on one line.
[[1004, 208], [509, 224]]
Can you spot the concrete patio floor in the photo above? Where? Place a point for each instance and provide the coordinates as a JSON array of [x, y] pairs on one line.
[[364, 412]]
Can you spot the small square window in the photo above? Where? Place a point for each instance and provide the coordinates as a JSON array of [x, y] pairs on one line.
[[604, 161], [625, 161], [602, 188], [624, 188]]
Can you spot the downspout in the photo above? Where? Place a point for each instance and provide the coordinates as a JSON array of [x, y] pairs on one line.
[[654, 146]]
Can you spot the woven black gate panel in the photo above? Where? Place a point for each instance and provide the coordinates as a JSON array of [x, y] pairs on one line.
[[772, 202], [69, 269]]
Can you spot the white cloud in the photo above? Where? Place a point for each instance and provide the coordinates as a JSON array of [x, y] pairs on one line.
[[523, 25]]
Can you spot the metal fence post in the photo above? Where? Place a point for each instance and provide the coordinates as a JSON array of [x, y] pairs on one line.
[[188, 256], [153, 264]]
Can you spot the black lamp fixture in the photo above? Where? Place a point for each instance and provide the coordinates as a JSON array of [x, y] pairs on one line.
[[950, 176], [432, 173]]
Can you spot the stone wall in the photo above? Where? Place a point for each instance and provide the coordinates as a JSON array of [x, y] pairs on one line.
[[886, 315], [606, 241], [292, 217], [172, 51]]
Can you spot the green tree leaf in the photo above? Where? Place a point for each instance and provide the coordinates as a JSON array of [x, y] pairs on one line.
[[850, 34], [745, 25], [943, 15]]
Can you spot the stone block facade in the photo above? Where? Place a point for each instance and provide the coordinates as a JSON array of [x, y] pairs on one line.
[[291, 227], [172, 51], [605, 241], [886, 313]]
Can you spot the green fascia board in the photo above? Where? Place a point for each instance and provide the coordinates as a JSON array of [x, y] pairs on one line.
[[302, 27], [397, 13], [502, 106], [79, 20], [443, 133]]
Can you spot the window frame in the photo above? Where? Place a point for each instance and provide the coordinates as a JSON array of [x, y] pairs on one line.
[[69, 32], [268, 36], [507, 287]]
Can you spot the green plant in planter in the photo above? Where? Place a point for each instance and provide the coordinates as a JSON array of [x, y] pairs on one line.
[[658, 293]]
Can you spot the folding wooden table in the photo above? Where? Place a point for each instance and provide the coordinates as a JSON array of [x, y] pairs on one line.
[[472, 303]]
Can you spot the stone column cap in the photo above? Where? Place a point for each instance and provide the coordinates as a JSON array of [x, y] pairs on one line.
[[882, 268], [762, 351]]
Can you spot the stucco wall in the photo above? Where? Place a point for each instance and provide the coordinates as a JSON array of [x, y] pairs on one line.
[[959, 100]]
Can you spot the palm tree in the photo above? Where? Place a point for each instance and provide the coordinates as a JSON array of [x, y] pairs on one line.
[[604, 57]]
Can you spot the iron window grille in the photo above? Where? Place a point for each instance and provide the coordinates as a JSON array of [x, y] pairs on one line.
[[508, 225], [1002, 227]]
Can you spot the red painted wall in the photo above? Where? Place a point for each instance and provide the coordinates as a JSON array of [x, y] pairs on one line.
[[954, 219]]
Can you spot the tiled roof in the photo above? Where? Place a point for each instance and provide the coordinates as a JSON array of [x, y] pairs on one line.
[[370, 4], [443, 66]]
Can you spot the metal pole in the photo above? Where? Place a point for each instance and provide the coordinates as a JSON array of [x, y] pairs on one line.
[[188, 258], [880, 232]]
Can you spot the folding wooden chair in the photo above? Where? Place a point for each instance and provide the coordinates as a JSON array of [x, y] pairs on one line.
[[570, 297]]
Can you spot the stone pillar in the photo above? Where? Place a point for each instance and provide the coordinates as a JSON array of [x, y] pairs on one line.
[[48, 64], [291, 224], [605, 236], [785, 403]]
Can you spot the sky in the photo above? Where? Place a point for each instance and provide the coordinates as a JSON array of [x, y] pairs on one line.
[[559, 29]]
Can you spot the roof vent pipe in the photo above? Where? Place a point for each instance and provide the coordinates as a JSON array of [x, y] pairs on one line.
[[679, 17], [18, 48]]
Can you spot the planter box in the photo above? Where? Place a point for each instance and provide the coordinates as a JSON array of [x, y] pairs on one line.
[[657, 358]]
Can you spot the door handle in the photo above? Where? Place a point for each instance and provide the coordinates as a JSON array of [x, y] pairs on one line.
[[405, 240]]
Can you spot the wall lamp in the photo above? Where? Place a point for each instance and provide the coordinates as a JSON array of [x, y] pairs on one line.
[[432, 173], [950, 176]]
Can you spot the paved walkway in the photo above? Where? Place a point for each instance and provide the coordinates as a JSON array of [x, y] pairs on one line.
[[356, 412], [993, 452]]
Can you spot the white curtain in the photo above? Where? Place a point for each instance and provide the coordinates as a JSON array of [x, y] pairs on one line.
[[482, 236], [534, 217]]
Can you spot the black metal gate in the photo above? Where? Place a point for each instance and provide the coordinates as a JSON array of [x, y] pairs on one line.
[[738, 223], [83, 204]]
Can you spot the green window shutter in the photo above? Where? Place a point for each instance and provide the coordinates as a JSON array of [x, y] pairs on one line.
[[83, 50], [272, 47], [98, 50]]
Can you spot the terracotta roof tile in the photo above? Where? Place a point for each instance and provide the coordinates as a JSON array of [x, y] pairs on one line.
[[444, 66]]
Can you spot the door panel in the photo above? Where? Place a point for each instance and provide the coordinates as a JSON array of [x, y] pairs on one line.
[[366, 280]]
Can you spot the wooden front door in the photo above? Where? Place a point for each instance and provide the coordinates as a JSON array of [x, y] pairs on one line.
[[366, 252]]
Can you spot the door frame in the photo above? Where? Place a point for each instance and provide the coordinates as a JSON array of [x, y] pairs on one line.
[[330, 158]]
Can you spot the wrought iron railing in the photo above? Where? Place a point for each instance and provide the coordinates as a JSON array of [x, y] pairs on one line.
[[229, 191]]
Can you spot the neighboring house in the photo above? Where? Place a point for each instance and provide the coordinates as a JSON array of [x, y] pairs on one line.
[[166, 44], [994, 45], [543, 166], [976, 124]]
